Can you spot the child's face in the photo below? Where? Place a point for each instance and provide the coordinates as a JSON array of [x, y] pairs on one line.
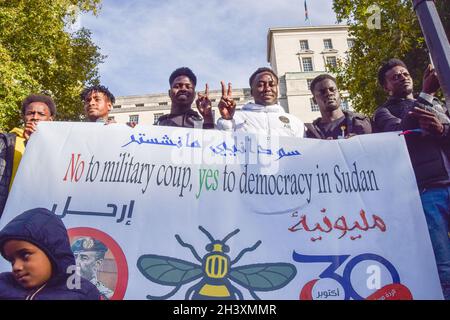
[[30, 265]]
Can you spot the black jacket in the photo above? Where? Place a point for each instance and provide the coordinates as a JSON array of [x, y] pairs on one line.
[[426, 152], [7, 143], [355, 123], [186, 120]]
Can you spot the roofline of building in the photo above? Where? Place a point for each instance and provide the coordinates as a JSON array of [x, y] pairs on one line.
[[306, 28], [157, 95]]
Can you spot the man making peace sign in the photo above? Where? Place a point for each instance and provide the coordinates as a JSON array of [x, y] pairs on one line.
[[182, 94], [265, 115]]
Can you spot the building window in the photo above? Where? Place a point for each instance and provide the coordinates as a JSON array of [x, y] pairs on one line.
[[331, 62], [327, 44], [134, 118], [139, 105], [110, 118], [314, 106], [156, 117], [350, 43], [344, 104], [308, 82], [165, 103], [117, 107], [307, 65], [236, 99], [304, 45]]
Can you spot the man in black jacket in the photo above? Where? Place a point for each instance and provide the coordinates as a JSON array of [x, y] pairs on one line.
[[335, 123], [182, 94], [428, 139]]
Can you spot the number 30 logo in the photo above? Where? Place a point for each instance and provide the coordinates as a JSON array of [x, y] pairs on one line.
[[394, 290]]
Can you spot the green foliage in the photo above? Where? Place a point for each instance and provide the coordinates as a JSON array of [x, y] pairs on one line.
[[400, 37], [39, 53]]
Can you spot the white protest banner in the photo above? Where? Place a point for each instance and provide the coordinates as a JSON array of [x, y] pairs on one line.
[[200, 214]]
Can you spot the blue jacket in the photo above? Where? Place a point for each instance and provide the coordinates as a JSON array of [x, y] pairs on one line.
[[45, 230]]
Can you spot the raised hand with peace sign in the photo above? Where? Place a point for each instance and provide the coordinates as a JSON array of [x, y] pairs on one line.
[[227, 105], [204, 106]]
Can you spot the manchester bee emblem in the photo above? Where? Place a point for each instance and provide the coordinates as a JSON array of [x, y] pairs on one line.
[[216, 272]]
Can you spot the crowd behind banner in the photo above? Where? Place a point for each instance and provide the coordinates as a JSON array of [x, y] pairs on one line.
[[421, 119]]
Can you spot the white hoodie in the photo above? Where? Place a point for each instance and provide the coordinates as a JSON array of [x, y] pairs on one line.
[[258, 119]]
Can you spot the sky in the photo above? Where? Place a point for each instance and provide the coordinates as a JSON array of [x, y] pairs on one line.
[[145, 40]]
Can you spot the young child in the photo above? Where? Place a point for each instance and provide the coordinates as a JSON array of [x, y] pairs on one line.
[[37, 246]]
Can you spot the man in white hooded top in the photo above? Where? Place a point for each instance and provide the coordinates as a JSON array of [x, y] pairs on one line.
[[265, 115]]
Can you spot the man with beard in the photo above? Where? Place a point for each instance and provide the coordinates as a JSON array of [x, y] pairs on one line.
[[265, 115], [335, 123], [427, 133], [182, 94]]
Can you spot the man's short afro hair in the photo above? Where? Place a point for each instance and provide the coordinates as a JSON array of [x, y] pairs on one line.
[[320, 78], [388, 66], [97, 88], [261, 70], [183, 71], [39, 98]]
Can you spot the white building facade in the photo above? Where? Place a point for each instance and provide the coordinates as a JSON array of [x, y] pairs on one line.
[[146, 109], [297, 55]]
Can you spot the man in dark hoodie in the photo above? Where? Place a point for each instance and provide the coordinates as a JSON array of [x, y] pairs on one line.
[[37, 246]]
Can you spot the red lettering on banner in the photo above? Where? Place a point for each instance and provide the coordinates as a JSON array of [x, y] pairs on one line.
[[340, 223], [75, 169]]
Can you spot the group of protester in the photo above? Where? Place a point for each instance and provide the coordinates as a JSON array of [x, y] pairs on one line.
[[424, 121]]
